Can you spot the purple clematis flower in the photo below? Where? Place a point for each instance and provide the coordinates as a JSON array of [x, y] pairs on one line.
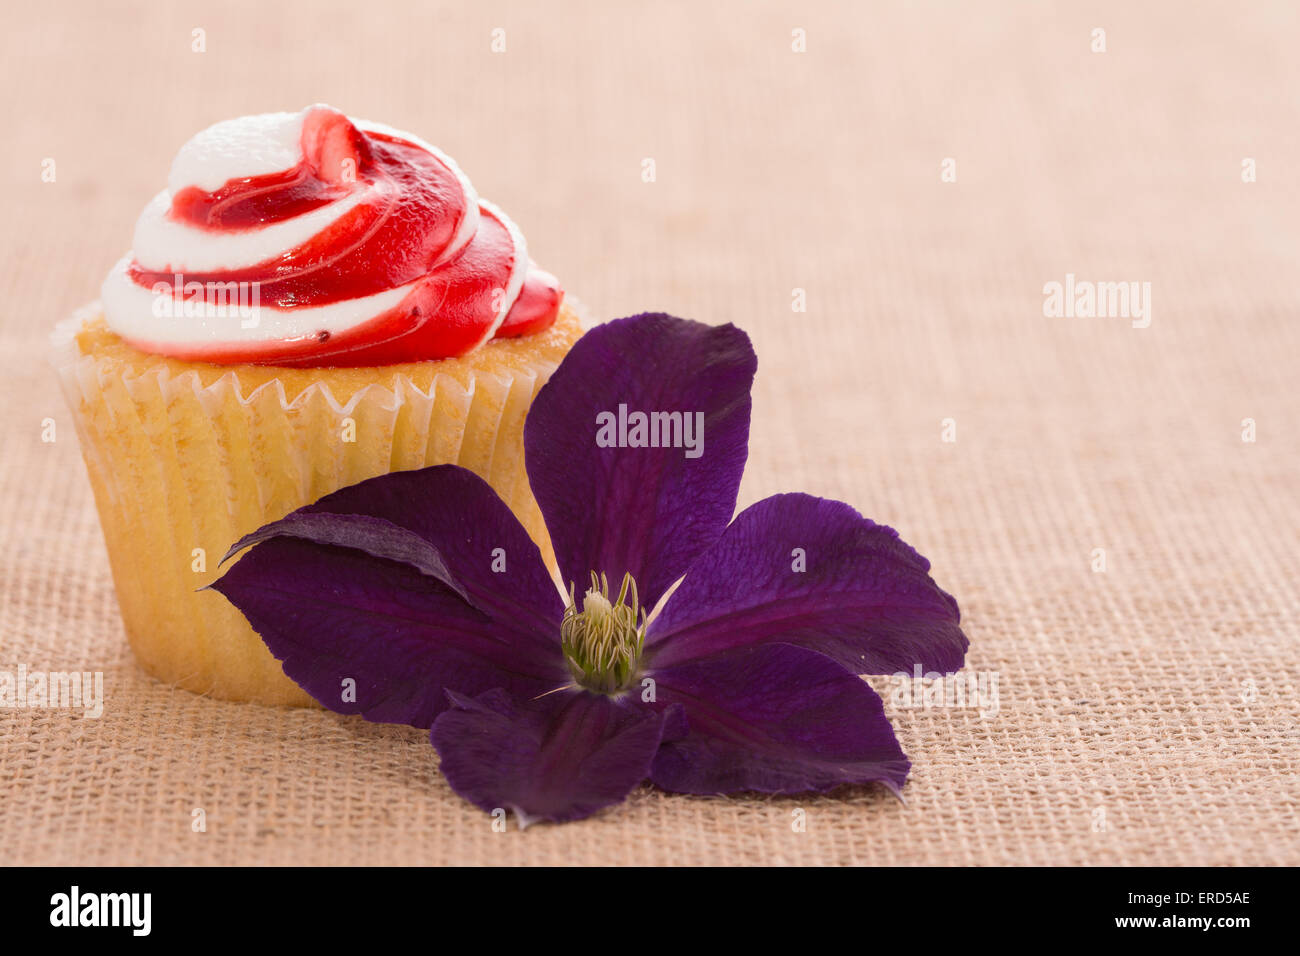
[[417, 597]]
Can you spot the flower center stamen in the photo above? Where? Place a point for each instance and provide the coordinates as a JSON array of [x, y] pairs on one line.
[[602, 643]]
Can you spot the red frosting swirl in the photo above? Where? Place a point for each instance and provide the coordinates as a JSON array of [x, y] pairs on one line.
[[409, 228]]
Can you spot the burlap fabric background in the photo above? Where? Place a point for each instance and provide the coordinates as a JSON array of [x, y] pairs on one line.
[[1147, 713]]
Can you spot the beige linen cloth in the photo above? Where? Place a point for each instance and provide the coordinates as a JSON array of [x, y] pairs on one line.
[[1125, 560]]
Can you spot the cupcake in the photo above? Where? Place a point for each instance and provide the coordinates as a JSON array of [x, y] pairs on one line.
[[313, 300]]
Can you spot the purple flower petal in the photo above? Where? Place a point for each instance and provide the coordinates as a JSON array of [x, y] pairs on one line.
[[473, 530], [363, 622], [864, 597], [645, 510], [560, 757], [376, 637], [375, 536], [777, 719]]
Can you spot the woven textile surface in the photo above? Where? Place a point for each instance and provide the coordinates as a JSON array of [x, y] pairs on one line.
[[878, 193]]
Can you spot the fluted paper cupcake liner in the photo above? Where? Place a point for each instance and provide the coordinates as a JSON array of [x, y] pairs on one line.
[[182, 467]]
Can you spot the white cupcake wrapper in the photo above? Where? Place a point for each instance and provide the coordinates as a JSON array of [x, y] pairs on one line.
[[176, 465]]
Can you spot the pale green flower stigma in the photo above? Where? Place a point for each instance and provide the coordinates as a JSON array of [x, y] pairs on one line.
[[602, 643]]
